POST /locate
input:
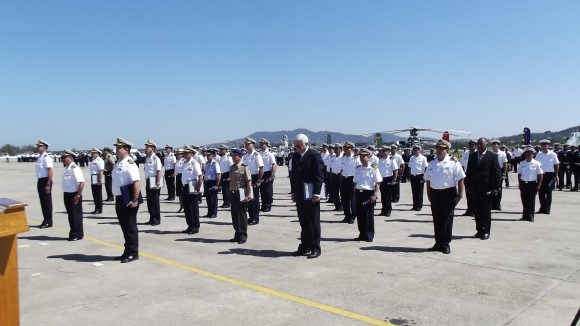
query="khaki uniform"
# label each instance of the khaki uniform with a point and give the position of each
(240, 175)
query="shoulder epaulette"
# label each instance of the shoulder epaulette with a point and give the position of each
(453, 158)
(374, 165)
(72, 166)
(256, 153)
(244, 164)
(131, 161)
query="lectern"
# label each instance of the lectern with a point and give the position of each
(12, 222)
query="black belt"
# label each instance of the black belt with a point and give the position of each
(529, 181)
(441, 190)
(416, 175)
(364, 190)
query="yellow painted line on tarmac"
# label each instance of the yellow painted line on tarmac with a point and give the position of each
(247, 285)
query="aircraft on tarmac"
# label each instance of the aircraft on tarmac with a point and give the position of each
(414, 138)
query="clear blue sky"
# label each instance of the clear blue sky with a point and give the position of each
(81, 73)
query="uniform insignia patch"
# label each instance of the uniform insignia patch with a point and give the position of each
(131, 161)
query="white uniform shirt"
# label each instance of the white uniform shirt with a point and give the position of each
(348, 164)
(254, 161)
(548, 160)
(365, 178)
(191, 171)
(71, 177)
(152, 166)
(464, 159)
(399, 159)
(43, 163)
(374, 159)
(501, 158)
(212, 169)
(225, 162)
(268, 159)
(517, 152)
(124, 173)
(529, 171)
(200, 159)
(335, 163)
(169, 161)
(325, 157)
(444, 174)
(179, 166)
(387, 165)
(97, 165)
(417, 164)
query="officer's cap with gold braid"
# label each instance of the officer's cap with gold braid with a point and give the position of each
(41, 142)
(348, 145)
(545, 141)
(249, 140)
(122, 142)
(529, 149)
(394, 146)
(66, 152)
(443, 144)
(264, 141)
(150, 143)
(96, 150)
(223, 146)
(195, 147)
(386, 148)
(168, 146)
(187, 149)
(364, 151)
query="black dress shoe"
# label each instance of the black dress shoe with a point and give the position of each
(74, 239)
(234, 239)
(119, 257)
(226, 206)
(129, 259)
(485, 236)
(478, 235)
(351, 221)
(206, 215)
(153, 223)
(242, 240)
(193, 231)
(314, 254)
(466, 214)
(179, 210)
(434, 248)
(44, 226)
(301, 253)
(523, 219)
(267, 209)
(531, 219)
(446, 250)
(359, 239)
(388, 214)
(253, 222)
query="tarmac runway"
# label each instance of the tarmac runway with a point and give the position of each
(525, 274)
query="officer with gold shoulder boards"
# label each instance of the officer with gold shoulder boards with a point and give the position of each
(212, 178)
(444, 177)
(192, 180)
(397, 182)
(44, 164)
(96, 168)
(73, 184)
(550, 166)
(254, 161)
(178, 171)
(267, 185)
(153, 181)
(416, 166)
(225, 161)
(169, 165)
(367, 179)
(241, 193)
(389, 169)
(126, 183)
(348, 164)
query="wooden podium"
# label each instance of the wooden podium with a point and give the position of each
(12, 222)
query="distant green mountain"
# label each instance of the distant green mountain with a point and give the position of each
(315, 137)
(554, 136)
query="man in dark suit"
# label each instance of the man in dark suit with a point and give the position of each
(482, 182)
(305, 186)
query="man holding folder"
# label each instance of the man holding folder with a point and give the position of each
(305, 187)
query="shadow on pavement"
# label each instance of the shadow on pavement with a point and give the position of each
(257, 253)
(83, 258)
(42, 238)
(394, 249)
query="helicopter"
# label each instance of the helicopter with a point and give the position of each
(573, 140)
(414, 138)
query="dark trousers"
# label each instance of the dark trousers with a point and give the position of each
(528, 196)
(211, 197)
(97, 191)
(153, 203)
(443, 210)
(545, 193)
(406, 173)
(109, 185)
(191, 209)
(482, 211)
(239, 211)
(335, 194)
(469, 200)
(346, 196)
(128, 220)
(569, 176)
(309, 218)
(576, 171)
(254, 204)
(386, 195)
(561, 174)
(226, 193)
(365, 214)
(178, 184)
(396, 193)
(496, 199)
(267, 191)
(417, 186)
(45, 200)
(170, 182)
(75, 215)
